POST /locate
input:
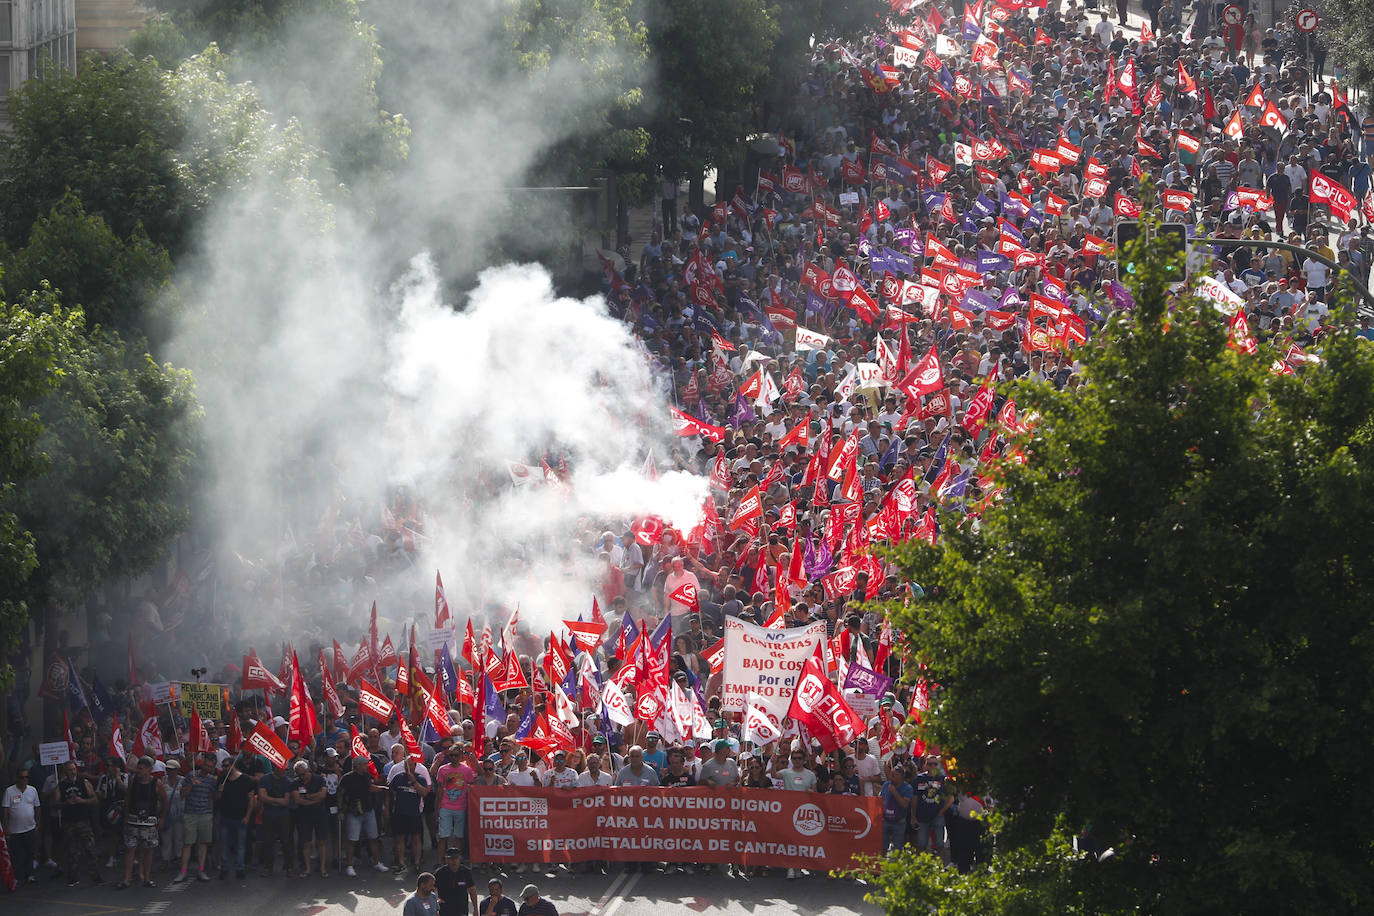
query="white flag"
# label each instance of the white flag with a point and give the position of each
(760, 727)
(810, 340)
(614, 705)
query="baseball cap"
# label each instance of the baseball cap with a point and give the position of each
(330, 752)
(278, 722)
(722, 745)
(529, 891)
(455, 853)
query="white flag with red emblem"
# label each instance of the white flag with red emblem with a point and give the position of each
(760, 728)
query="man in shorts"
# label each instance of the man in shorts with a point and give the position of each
(310, 816)
(360, 818)
(453, 779)
(198, 793)
(145, 810)
(409, 784)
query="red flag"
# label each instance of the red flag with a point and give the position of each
(469, 646)
(388, 656)
(117, 739)
(361, 662)
(512, 675)
(1334, 194)
(926, 376)
(262, 740)
(340, 664)
(1124, 206)
(437, 715)
(587, 635)
(371, 702)
(1209, 107)
(149, 739)
(67, 731)
(411, 745)
(331, 695)
(751, 507)
(820, 708)
(1186, 83)
(441, 611)
(358, 748)
(197, 738)
(1255, 99)
(304, 724)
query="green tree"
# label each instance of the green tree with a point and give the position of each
(35, 340)
(111, 134)
(117, 440)
(146, 150)
(710, 56)
(316, 62)
(1158, 641)
(117, 284)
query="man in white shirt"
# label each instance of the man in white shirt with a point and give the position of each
(20, 817)
(521, 774)
(868, 768)
(678, 576)
(595, 776)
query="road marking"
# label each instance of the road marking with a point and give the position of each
(157, 906)
(624, 892)
(92, 909)
(610, 892)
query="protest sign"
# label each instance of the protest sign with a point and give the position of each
(765, 662)
(206, 699)
(508, 824)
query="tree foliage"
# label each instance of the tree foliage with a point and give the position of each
(710, 56)
(35, 340)
(1159, 639)
(117, 438)
(109, 133)
(117, 284)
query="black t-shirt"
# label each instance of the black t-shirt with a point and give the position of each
(234, 795)
(355, 793)
(453, 885)
(277, 785)
(681, 781)
(311, 783)
(67, 790)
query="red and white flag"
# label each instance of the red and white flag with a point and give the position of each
(760, 728)
(262, 740)
(820, 708)
(372, 702)
(1334, 194)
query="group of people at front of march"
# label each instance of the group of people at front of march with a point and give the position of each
(211, 816)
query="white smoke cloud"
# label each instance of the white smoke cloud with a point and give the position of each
(326, 380)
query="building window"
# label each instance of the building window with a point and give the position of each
(6, 22)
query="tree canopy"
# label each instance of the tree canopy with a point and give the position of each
(1158, 640)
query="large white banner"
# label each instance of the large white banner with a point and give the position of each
(765, 663)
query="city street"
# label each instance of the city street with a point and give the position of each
(618, 894)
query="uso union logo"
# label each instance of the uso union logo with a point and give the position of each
(500, 844)
(808, 819)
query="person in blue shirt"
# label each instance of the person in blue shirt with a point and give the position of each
(896, 795)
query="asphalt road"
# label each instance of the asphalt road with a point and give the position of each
(616, 894)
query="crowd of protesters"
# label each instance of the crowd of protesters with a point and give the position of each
(950, 187)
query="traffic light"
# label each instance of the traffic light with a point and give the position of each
(1173, 235)
(1127, 230)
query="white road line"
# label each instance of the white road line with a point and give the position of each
(624, 892)
(610, 892)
